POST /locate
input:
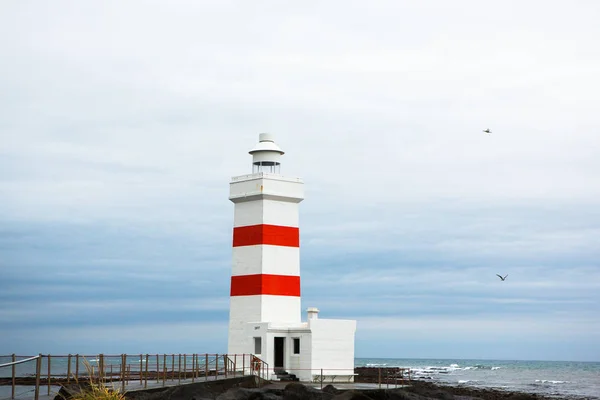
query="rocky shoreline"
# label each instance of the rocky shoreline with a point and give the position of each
(244, 390)
(419, 390)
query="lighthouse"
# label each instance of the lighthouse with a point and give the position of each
(265, 316)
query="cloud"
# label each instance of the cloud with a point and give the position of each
(120, 130)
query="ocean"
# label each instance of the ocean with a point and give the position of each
(565, 379)
(556, 378)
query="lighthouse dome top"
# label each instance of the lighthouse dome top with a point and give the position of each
(266, 155)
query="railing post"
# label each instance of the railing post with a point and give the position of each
(38, 373)
(76, 367)
(14, 377)
(146, 374)
(49, 372)
(122, 373)
(379, 379)
(172, 367)
(321, 379)
(216, 365)
(127, 371)
(141, 367)
(193, 366)
(179, 370)
(69, 369)
(225, 364)
(185, 366)
(243, 364)
(157, 369)
(206, 368)
(101, 368)
(234, 365)
(164, 369)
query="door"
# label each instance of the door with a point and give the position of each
(279, 352)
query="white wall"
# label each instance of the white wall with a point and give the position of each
(332, 345)
(249, 186)
(254, 310)
(266, 259)
(299, 364)
(281, 309)
(271, 212)
(242, 309)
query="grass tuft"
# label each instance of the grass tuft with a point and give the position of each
(96, 391)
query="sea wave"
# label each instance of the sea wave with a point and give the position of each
(550, 381)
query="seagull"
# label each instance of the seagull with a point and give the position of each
(488, 131)
(502, 277)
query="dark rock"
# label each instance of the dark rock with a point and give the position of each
(352, 395)
(249, 394)
(330, 389)
(298, 391)
(70, 390)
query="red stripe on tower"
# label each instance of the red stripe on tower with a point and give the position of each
(278, 285)
(276, 235)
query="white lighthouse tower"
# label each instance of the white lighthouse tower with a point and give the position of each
(265, 309)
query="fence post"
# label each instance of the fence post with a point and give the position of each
(141, 367)
(146, 374)
(14, 373)
(49, 372)
(216, 365)
(69, 370)
(206, 368)
(164, 369)
(234, 365)
(193, 366)
(243, 364)
(157, 369)
(321, 379)
(77, 368)
(38, 373)
(185, 366)
(225, 363)
(127, 371)
(379, 379)
(179, 370)
(122, 373)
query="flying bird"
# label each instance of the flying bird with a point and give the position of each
(502, 277)
(488, 131)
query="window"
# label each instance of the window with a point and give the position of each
(257, 345)
(296, 345)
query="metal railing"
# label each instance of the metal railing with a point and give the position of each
(123, 370)
(390, 377)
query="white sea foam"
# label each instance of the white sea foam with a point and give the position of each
(495, 368)
(550, 381)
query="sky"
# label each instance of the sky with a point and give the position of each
(122, 123)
